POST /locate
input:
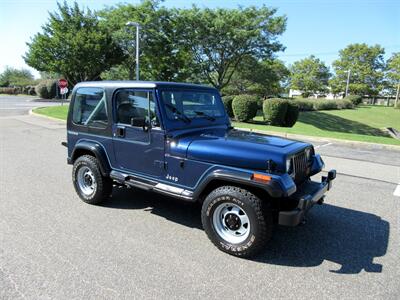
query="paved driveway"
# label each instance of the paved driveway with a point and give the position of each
(142, 245)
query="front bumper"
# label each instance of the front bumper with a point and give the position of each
(308, 194)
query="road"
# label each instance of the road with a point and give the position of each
(20, 105)
(142, 245)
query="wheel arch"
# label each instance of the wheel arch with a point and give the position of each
(94, 149)
(241, 179)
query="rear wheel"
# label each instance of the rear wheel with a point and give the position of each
(89, 184)
(236, 221)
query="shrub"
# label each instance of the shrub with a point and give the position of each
(8, 90)
(274, 111)
(244, 107)
(227, 100)
(355, 99)
(31, 91)
(305, 104)
(292, 114)
(325, 104)
(47, 89)
(344, 104)
(41, 90)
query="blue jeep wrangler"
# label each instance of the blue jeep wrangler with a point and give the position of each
(176, 139)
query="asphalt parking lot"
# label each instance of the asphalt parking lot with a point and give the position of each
(143, 245)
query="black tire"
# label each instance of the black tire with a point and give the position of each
(257, 212)
(103, 185)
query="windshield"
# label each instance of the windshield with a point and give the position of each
(189, 104)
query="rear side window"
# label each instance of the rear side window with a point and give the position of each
(90, 107)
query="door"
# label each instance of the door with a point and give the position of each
(137, 137)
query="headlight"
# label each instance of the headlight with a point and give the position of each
(289, 165)
(308, 153)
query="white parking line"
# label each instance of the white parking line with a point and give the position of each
(324, 145)
(397, 191)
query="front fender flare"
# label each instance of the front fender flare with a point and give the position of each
(278, 187)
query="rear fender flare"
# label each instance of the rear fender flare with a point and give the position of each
(96, 149)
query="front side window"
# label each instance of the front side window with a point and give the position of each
(135, 107)
(192, 104)
(90, 107)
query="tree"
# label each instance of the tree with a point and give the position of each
(263, 78)
(366, 66)
(309, 75)
(72, 43)
(15, 77)
(220, 39)
(161, 57)
(393, 74)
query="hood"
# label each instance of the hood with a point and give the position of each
(236, 148)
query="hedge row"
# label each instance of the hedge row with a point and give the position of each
(280, 112)
(323, 104)
(28, 90)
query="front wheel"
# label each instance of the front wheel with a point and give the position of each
(236, 222)
(89, 184)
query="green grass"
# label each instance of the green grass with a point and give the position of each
(364, 124)
(58, 112)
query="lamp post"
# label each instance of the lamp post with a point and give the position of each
(348, 81)
(137, 25)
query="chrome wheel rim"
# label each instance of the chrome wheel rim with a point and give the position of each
(86, 181)
(231, 223)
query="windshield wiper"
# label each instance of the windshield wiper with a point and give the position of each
(202, 113)
(178, 113)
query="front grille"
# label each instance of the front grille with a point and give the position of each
(301, 168)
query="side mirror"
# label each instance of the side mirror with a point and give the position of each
(138, 122)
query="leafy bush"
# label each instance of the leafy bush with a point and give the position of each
(9, 90)
(292, 114)
(227, 100)
(244, 107)
(41, 90)
(344, 104)
(47, 89)
(274, 111)
(305, 104)
(355, 99)
(325, 104)
(31, 91)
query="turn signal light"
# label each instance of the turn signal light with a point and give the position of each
(261, 177)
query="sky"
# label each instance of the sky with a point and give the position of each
(318, 27)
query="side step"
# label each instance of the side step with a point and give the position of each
(151, 185)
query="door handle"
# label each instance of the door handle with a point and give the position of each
(120, 132)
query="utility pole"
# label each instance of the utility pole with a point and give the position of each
(348, 81)
(137, 25)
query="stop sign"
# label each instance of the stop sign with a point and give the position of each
(62, 83)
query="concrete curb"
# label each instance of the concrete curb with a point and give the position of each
(325, 139)
(32, 113)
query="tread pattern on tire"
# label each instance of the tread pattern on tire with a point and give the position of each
(263, 215)
(104, 184)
